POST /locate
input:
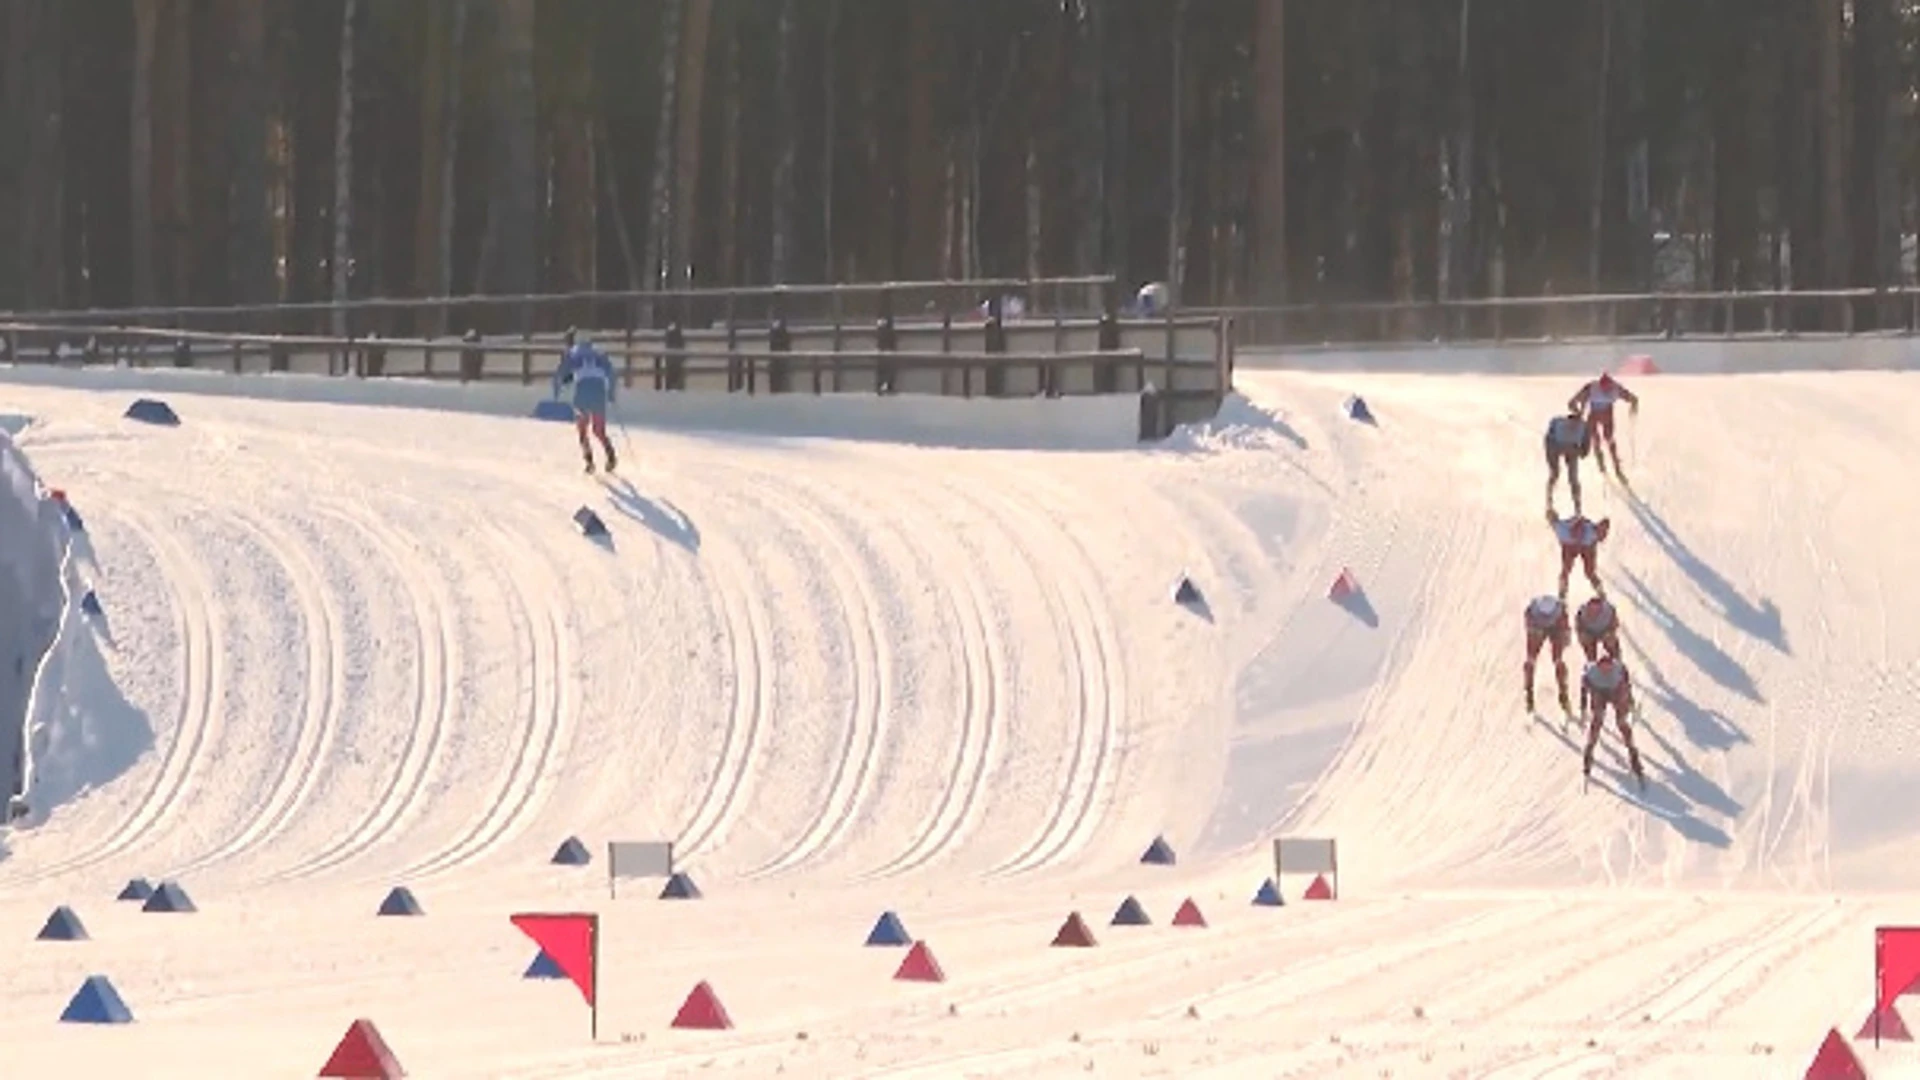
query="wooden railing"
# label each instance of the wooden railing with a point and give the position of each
(494, 316)
(1602, 317)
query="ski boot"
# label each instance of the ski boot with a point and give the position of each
(613, 460)
(1529, 699)
(589, 458)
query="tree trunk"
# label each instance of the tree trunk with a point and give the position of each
(1270, 151)
(923, 254)
(515, 266)
(1455, 270)
(1831, 133)
(1597, 193)
(450, 159)
(576, 195)
(687, 137)
(1876, 131)
(787, 144)
(1176, 149)
(730, 267)
(1088, 120)
(146, 42)
(342, 261)
(32, 240)
(250, 270)
(437, 72)
(830, 139)
(660, 200)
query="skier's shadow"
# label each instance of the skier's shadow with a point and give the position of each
(663, 518)
(1666, 799)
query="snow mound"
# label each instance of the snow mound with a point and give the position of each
(1241, 424)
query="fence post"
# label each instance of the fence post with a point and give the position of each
(779, 341)
(886, 370)
(676, 357)
(473, 357)
(1106, 373)
(996, 342)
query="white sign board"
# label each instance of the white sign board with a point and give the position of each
(638, 859)
(1305, 855)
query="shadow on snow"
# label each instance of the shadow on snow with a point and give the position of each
(1711, 659)
(1760, 620)
(1674, 788)
(663, 518)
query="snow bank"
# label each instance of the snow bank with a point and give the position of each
(1086, 422)
(36, 612)
(1671, 357)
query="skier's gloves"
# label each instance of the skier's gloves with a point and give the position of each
(1633, 407)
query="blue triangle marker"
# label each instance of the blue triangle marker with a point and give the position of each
(543, 967)
(589, 522)
(169, 897)
(888, 930)
(63, 925)
(680, 887)
(1158, 853)
(400, 901)
(90, 603)
(96, 1002)
(1269, 895)
(571, 852)
(74, 522)
(1130, 913)
(1357, 410)
(137, 889)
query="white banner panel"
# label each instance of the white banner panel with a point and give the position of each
(1305, 855)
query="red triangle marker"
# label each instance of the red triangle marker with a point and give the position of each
(1892, 1027)
(1344, 585)
(1074, 934)
(919, 965)
(1189, 914)
(1836, 1061)
(362, 1055)
(702, 1011)
(1319, 890)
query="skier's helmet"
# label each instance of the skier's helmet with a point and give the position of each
(1606, 380)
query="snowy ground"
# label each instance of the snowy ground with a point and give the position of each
(352, 647)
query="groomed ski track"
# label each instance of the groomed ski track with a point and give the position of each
(372, 649)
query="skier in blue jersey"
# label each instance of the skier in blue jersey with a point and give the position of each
(591, 373)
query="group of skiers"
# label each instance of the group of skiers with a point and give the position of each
(1604, 684)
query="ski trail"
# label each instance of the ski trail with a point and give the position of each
(744, 624)
(204, 657)
(853, 772)
(1079, 620)
(1675, 987)
(436, 659)
(983, 690)
(549, 717)
(321, 713)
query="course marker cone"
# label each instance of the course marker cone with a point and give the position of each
(362, 1055)
(702, 1011)
(1074, 934)
(919, 965)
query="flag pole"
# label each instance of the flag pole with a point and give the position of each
(593, 934)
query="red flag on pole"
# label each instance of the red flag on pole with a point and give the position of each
(573, 941)
(1896, 966)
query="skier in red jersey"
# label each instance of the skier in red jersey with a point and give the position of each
(1546, 619)
(1597, 625)
(1579, 542)
(1598, 398)
(1606, 685)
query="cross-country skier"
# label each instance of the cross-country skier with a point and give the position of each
(591, 373)
(1566, 442)
(1598, 398)
(1597, 625)
(1605, 685)
(1579, 541)
(1547, 622)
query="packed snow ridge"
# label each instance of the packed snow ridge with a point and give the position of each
(345, 647)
